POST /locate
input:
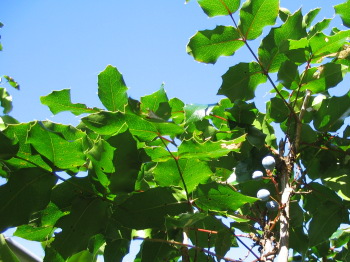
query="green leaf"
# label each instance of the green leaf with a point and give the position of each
(243, 113)
(83, 256)
(288, 73)
(193, 172)
(196, 112)
(270, 52)
(116, 250)
(218, 197)
(298, 240)
(101, 156)
(327, 213)
(61, 152)
(319, 27)
(255, 15)
(343, 10)
(42, 225)
(310, 16)
(332, 113)
(219, 7)
(208, 45)
(126, 161)
(5, 101)
(87, 218)
(27, 191)
(223, 242)
(147, 130)
(153, 105)
(209, 150)
(6, 253)
(149, 209)
(106, 123)
(27, 155)
(6, 120)
(162, 251)
(323, 45)
(319, 79)
(277, 110)
(8, 147)
(59, 101)
(241, 80)
(12, 82)
(112, 89)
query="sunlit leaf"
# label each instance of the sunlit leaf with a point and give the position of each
(269, 52)
(208, 45)
(6, 253)
(193, 172)
(61, 152)
(220, 197)
(344, 11)
(219, 7)
(255, 15)
(5, 100)
(323, 45)
(42, 225)
(112, 89)
(106, 123)
(60, 101)
(310, 16)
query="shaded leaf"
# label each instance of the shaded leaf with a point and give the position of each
(60, 101)
(87, 218)
(27, 191)
(126, 161)
(208, 45)
(319, 79)
(115, 250)
(8, 147)
(255, 15)
(6, 253)
(332, 113)
(112, 89)
(288, 73)
(277, 110)
(149, 209)
(241, 80)
(217, 7)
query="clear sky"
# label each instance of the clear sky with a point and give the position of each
(52, 45)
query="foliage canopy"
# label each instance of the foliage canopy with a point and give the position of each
(167, 172)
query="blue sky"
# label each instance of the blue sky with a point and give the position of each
(52, 45)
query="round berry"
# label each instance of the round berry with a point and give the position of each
(257, 175)
(263, 194)
(272, 205)
(269, 162)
